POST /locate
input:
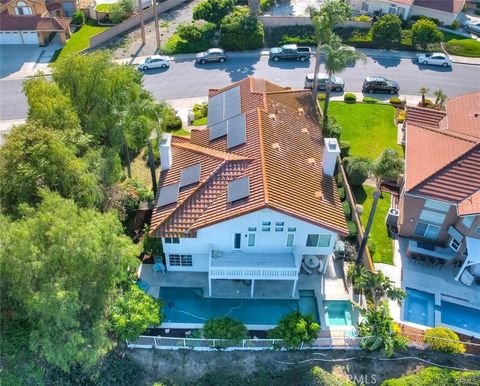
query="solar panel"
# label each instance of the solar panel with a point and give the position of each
(231, 102)
(223, 106)
(215, 109)
(168, 194)
(218, 130)
(190, 175)
(236, 132)
(238, 189)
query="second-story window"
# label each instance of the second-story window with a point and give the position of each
(172, 240)
(251, 239)
(316, 240)
(290, 238)
(22, 9)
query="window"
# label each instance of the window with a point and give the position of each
(237, 240)
(437, 205)
(252, 229)
(251, 239)
(172, 240)
(22, 9)
(400, 12)
(435, 217)
(392, 9)
(318, 240)
(180, 260)
(266, 223)
(279, 229)
(455, 244)
(279, 223)
(477, 230)
(290, 238)
(292, 229)
(468, 221)
(265, 229)
(364, 6)
(425, 230)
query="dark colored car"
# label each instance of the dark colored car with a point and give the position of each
(290, 51)
(380, 84)
(211, 55)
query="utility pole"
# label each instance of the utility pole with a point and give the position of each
(157, 30)
(142, 24)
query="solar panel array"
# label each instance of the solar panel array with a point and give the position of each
(223, 106)
(218, 130)
(190, 175)
(238, 189)
(168, 194)
(236, 131)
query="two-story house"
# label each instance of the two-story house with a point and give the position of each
(440, 202)
(252, 195)
(35, 21)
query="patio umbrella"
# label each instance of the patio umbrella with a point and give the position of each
(475, 270)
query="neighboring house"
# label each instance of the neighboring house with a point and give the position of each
(253, 194)
(35, 21)
(440, 201)
(446, 11)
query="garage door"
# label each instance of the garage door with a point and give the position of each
(12, 37)
(30, 37)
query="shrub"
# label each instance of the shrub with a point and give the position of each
(421, 17)
(302, 35)
(443, 339)
(428, 102)
(266, 4)
(401, 116)
(212, 11)
(341, 193)
(456, 24)
(362, 18)
(371, 247)
(332, 128)
(224, 328)
(387, 29)
(347, 210)
(121, 10)
(370, 100)
(349, 97)
(241, 31)
(200, 110)
(344, 148)
(436, 376)
(295, 329)
(192, 37)
(352, 230)
(170, 120)
(425, 32)
(79, 18)
(395, 101)
(357, 169)
(321, 97)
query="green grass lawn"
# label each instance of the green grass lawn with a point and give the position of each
(461, 45)
(104, 7)
(80, 39)
(369, 128)
(379, 233)
(200, 122)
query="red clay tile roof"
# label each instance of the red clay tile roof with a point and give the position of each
(463, 114)
(470, 205)
(452, 6)
(33, 23)
(283, 135)
(424, 117)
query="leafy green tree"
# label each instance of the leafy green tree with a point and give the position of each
(133, 312)
(212, 10)
(224, 328)
(387, 29)
(295, 329)
(357, 169)
(324, 20)
(443, 339)
(241, 31)
(61, 268)
(425, 32)
(436, 376)
(34, 157)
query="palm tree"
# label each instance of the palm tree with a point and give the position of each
(423, 91)
(440, 99)
(324, 19)
(337, 58)
(388, 165)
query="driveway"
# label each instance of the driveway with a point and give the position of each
(15, 58)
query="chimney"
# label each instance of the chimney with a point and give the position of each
(165, 148)
(330, 154)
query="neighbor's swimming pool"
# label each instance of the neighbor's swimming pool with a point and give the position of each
(420, 307)
(459, 316)
(188, 305)
(338, 313)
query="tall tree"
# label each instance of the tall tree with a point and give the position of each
(425, 32)
(337, 58)
(324, 19)
(61, 268)
(423, 91)
(387, 30)
(388, 165)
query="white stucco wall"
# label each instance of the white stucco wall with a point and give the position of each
(377, 5)
(221, 236)
(446, 18)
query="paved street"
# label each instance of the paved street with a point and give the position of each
(185, 79)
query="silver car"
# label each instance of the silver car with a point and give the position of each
(211, 55)
(338, 84)
(472, 26)
(154, 61)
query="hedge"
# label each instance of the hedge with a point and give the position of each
(241, 31)
(192, 37)
(297, 34)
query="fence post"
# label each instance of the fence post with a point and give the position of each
(184, 342)
(243, 343)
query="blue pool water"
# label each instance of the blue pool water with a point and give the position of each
(420, 307)
(187, 305)
(461, 317)
(338, 313)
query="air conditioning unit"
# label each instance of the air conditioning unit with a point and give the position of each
(392, 216)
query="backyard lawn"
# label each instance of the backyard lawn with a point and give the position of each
(80, 39)
(379, 234)
(461, 45)
(369, 128)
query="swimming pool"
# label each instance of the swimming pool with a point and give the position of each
(420, 307)
(188, 305)
(338, 313)
(461, 317)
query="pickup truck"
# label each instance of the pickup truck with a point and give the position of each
(290, 51)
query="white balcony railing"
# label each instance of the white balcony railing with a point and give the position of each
(260, 273)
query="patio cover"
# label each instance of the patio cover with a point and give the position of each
(473, 247)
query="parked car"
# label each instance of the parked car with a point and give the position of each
(155, 61)
(338, 84)
(380, 84)
(211, 55)
(290, 51)
(472, 26)
(435, 58)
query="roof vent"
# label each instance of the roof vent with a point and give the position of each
(272, 116)
(301, 111)
(305, 130)
(311, 161)
(476, 115)
(276, 146)
(319, 194)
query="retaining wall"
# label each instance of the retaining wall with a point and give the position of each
(284, 21)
